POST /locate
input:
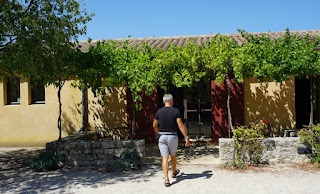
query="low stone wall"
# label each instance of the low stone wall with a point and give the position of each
(94, 153)
(279, 150)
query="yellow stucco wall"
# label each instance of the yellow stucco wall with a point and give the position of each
(113, 114)
(270, 101)
(35, 124)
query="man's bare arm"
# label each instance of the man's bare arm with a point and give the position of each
(155, 126)
(183, 131)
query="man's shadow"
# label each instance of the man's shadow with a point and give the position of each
(207, 174)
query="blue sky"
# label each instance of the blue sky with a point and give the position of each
(141, 18)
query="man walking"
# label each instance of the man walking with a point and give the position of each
(166, 124)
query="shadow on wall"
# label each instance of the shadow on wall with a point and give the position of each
(113, 114)
(270, 101)
(144, 117)
(68, 125)
(71, 121)
(219, 107)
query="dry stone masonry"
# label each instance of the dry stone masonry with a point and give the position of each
(279, 150)
(94, 152)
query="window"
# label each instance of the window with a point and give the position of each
(13, 92)
(37, 93)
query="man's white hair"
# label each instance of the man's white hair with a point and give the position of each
(167, 98)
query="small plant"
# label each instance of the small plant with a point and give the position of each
(248, 147)
(45, 161)
(128, 161)
(311, 136)
(261, 126)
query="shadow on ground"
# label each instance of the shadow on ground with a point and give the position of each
(17, 177)
(183, 176)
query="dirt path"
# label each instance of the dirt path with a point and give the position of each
(16, 177)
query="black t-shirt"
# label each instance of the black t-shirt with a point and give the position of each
(167, 117)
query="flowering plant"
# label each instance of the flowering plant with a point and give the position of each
(262, 126)
(248, 146)
(311, 135)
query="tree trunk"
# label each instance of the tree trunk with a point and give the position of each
(315, 98)
(83, 93)
(83, 112)
(312, 82)
(59, 118)
(228, 107)
(133, 120)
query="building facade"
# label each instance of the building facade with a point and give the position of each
(28, 116)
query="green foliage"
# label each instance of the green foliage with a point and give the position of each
(218, 55)
(181, 66)
(140, 68)
(45, 161)
(266, 58)
(248, 147)
(38, 41)
(94, 68)
(311, 136)
(128, 161)
(37, 38)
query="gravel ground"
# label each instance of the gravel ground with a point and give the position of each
(16, 177)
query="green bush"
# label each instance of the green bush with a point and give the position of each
(248, 147)
(311, 136)
(128, 161)
(45, 161)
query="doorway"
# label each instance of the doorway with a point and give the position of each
(198, 110)
(302, 102)
(195, 106)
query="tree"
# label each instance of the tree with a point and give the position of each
(218, 55)
(142, 69)
(180, 66)
(38, 38)
(266, 58)
(137, 70)
(92, 71)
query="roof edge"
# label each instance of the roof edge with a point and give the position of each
(199, 36)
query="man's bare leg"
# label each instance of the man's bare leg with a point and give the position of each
(174, 162)
(165, 166)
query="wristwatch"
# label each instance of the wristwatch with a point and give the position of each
(187, 137)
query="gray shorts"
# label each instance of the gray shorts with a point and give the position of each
(168, 144)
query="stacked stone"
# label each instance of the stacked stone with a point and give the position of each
(226, 150)
(95, 153)
(278, 150)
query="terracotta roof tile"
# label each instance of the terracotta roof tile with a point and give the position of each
(164, 42)
(156, 43)
(168, 43)
(152, 42)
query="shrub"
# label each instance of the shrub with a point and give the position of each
(311, 136)
(248, 147)
(128, 161)
(45, 161)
